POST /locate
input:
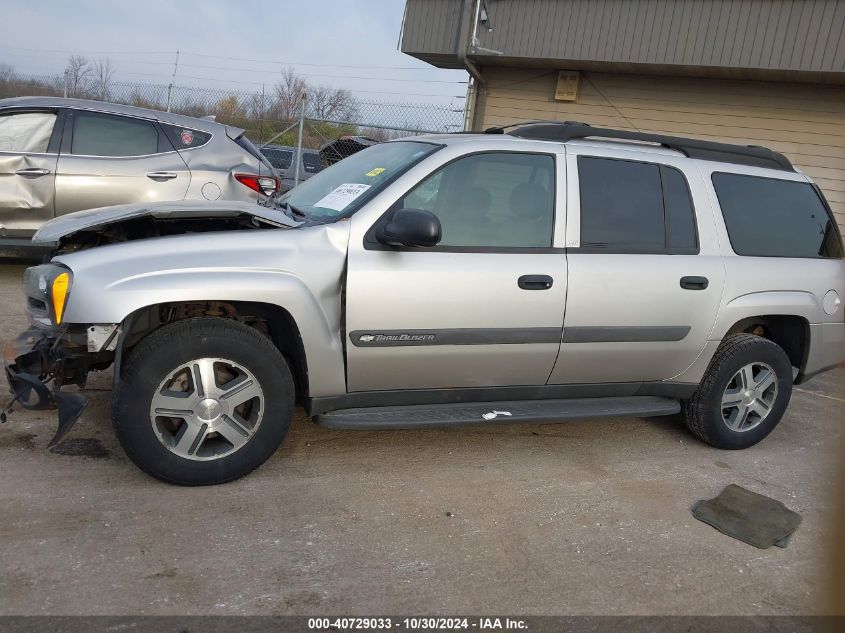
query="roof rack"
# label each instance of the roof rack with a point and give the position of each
(752, 155)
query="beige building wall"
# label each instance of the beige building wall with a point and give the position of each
(804, 121)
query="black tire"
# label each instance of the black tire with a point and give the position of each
(173, 345)
(703, 412)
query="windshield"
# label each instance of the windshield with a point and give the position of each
(345, 187)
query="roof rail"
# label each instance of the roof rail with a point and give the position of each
(752, 155)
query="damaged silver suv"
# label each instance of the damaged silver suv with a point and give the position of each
(538, 272)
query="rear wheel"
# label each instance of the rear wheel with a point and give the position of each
(743, 394)
(203, 401)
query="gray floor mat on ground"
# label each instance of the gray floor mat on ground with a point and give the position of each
(749, 517)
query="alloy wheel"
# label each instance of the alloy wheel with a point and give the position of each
(207, 408)
(749, 397)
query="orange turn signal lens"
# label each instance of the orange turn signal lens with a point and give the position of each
(59, 293)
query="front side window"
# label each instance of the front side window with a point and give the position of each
(26, 131)
(767, 217)
(635, 207)
(97, 134)
(497, 200)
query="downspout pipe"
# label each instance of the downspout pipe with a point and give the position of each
(469, 24)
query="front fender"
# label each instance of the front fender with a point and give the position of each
(300, 270)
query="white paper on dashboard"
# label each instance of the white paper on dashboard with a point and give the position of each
(340, 198)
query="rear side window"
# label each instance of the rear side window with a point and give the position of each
(766, 217)
(279, 158)
(629, 206)
(111, 135)
(312, 162)
(26, 131)
(185, 138)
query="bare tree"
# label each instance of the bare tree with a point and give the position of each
(103, 76)
(327, 103)
(254, 105)
(7, 73)
(79, 73)
(287, 96)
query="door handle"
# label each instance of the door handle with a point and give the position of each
(535, 282)
(694, 283)
(32, 172)
(161, 175)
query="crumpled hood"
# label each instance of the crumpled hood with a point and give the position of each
(93, 219)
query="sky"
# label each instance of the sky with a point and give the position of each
(229, 44)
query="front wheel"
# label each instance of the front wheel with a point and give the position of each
(743, 395)
(202, 401)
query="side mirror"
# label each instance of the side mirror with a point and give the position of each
(411, 227)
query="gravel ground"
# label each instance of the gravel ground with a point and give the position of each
(586, 517)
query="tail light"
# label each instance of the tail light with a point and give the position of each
(268, 185)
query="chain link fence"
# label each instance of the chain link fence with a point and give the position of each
(269, 115)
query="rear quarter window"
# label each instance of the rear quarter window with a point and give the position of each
(767, 217)
(185, 138)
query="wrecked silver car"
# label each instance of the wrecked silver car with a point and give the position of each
(60, 155)
(525, 274)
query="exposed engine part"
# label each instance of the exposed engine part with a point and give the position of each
(148, 227)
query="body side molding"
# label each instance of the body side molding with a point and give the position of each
(456, 336)
(517, 336)
(624, 334)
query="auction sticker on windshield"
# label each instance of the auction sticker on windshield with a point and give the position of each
(342, 196)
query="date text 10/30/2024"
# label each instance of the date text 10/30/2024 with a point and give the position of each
(416, 624)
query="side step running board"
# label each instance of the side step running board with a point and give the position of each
(507, 412)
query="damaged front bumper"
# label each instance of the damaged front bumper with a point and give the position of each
(38, 363)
